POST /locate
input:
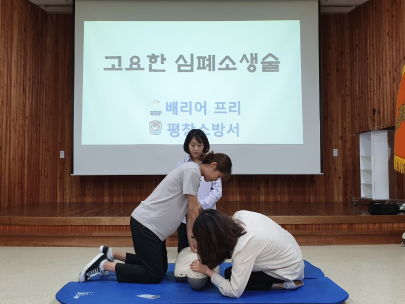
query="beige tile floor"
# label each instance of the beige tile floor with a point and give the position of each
(370, 274)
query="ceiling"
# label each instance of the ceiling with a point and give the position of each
(327, 6)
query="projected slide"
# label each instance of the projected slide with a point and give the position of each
(150, 82)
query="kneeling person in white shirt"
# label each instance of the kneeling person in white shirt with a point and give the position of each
(264, 255)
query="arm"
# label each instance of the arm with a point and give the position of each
(214, 195)
(240, 275)
(191, 216)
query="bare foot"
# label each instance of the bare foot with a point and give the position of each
(298, 283)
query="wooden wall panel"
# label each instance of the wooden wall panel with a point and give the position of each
(377, 56)
(334, 79)
(23, 30)
(362, 54)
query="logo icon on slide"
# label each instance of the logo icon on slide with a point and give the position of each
(156, 105)
(155, 127)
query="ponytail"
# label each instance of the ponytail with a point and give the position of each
(224, 163)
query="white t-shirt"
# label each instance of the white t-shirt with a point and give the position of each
(164, 209)
(266, 247)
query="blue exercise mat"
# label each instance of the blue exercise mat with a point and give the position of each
(317, 289)
(310, 271)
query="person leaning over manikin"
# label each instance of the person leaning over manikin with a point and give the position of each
(264, 255)
(156, 218)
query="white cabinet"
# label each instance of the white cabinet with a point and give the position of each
(375, 156)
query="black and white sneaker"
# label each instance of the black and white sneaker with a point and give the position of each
(92, 269)
(107, 251)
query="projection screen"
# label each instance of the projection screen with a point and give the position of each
(245, 72)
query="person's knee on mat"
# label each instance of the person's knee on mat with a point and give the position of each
(154, 279)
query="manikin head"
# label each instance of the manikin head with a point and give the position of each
(183, 273)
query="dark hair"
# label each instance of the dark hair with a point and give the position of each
(200, 137)
(216, 235)
(224, 163)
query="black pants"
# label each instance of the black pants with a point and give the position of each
(182, 237)
(149, 263)
(257, 280)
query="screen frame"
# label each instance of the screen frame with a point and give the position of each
(177, 149)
